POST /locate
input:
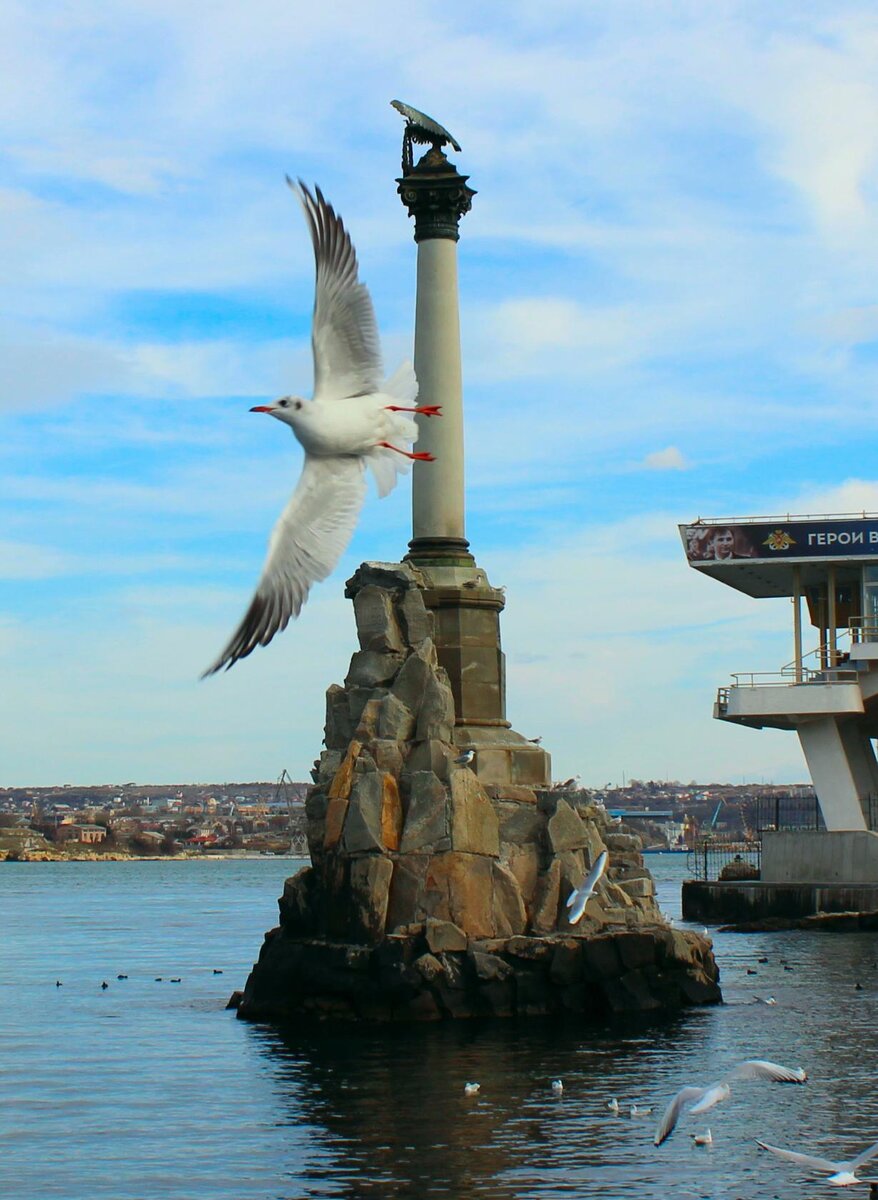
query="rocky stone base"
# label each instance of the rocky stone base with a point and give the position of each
(433, 893)
(434, 973)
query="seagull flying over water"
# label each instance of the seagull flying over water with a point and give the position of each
(578, 898)
(842, 1174)
(699, 1100)
(354, 420)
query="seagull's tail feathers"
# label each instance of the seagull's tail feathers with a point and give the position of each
(387, 465)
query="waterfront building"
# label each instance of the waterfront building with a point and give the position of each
(827, 693)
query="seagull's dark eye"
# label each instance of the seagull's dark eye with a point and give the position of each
(298, 405)
(284, 403)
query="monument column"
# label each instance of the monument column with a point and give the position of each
(466, 608)
(437, 196)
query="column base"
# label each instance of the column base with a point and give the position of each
(440, 552)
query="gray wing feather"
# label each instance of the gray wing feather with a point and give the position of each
(309, 538)
(864, 1157)
(685, 1096)
(760, 1068)
(344, 332)
(803, 1160)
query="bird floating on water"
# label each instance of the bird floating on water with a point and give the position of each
(471, 1089)
(700, 1099)
(636, 1111)
(557, 1087)
(703, 1139)
(353, 420)
(769, 1000)
(613, 1106)
(580, 896)
(841, 1174)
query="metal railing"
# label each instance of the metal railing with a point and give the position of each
(863, 629)
(710, 857)
(782, 678)
(787, 810)
(783, 517)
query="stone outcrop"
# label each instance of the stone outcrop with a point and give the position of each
(430, 895)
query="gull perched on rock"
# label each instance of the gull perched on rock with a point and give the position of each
(578, 898)
(353, 420)
(700, 1099)
(841, 1174)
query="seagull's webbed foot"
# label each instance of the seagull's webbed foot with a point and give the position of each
(416, 456)
(426, 410)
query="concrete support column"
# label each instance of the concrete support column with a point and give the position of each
(839, 771)
(438, 487)
(797, 620)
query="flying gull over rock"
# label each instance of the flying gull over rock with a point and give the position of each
(353, 420)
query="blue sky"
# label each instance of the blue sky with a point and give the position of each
(668, 307)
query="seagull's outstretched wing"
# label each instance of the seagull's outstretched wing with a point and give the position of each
(306, 543)
(760, 1068)
(579, 898)
(864, 1157)
(669, 1118)
(803, 1160)
(344, 333)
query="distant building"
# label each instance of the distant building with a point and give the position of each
(89, 835)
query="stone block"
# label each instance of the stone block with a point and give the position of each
(410, 684)
(363, 711)
(395, 721)
(489, 967)
(328, 764)
(444, 935)
(565, 829)
(573, 872)
(532, 949)
(524, 863)
(533, 997)
(336, 812)
(372, 668)
(431, 755)
(544, 917)
(436, 714)
(391, 813)
(623, 843)
(388, 756)
(519, 823)
(636, 950)
(427, 826)
(640, 888)
(511, 792)
(339, 727)
(344, 776)
(510, 916)
(630, 994)
(405, 906)
(458, 887)
(377, 627)
(567, 967)
(474, 825)
(297, 911)
(362, 827)
(415, 619)
(370, 888)
(429, 966)
(600, 959)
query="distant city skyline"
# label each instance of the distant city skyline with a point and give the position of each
(668, 308)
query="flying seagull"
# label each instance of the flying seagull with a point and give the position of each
(353, 420)
(578, 898)
(423, 129)
(699, 1100)
(842, 1174)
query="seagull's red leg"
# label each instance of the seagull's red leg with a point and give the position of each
(426, 410)
(418, 455)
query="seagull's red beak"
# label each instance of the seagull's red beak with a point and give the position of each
(261, 408)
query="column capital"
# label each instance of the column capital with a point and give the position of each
(436, 195)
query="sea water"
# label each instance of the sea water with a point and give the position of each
(149, 1089)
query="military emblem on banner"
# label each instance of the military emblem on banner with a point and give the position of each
(779, 540)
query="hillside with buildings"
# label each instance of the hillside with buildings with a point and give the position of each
(132, 820)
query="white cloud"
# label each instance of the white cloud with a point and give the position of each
(669, 459)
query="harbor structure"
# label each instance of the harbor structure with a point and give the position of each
(826, 693)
